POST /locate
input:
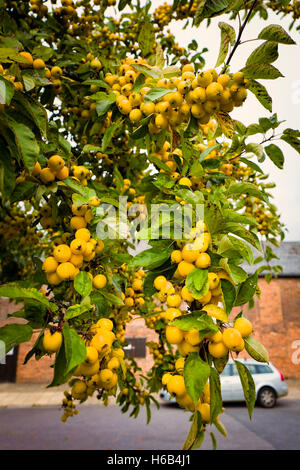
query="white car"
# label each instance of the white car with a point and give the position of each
(269, 383)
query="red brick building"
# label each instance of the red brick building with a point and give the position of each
(275, 317)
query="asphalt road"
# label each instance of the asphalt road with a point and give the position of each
(97, 427)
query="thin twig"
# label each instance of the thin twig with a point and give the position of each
(238, 41)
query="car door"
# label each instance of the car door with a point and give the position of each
(226, 386)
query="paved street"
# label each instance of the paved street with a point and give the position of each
(97, 427)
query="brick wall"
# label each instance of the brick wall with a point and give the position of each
(275, 318)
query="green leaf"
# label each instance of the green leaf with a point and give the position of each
(146, 37)
(7, 174)
(214, 440)
(83, 284)
(221, 428)
(196, 321)
(256, 350)
(75, 349)
(215, 394)
(103, 102)
(36, 111)
(291, 137)
(257, 149)
(196, 373)
(6, 91)
(214, 218)
(264, 71)
(138, 83)
(248, 386)
(153, 72)
(14, 291)
(243, 248)
(112, 298)
(275, 32)
(265, 53)
(227, 37)
(199, 439)
(275, 154)
(261, 94)
(151, 259)
(192, 432)
(229, 295)
(247, 290)
(207, 151)
(220, 363)
(157, 93)
(14, 334)
(109, 133)
(60, 366)
(26, 142)
(247, 188)
(76, 310)
(197, 282)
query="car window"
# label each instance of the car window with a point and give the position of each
(250, 367)
(227, 371)
(264, 369)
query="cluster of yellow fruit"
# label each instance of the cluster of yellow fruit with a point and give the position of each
(68, 259)
(38, 7)
(176, 387)
(153, 319)
(81, 174)
(56, 169)
(16, 224)
(186, 341)
(134, 296)
(200, 96)
(164, 14)
(157, 352)
(231, 339)
(264, 218)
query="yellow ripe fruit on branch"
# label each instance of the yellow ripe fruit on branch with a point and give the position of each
(66, 271)
(184, 348)
(217, 350)
(102, 338)
(174, 300)
(108, 325)
(50, 264)
(184, 268)
(62, 253)
(160, 282)
(88, 370)
(47, 176)
(55, 163)
(231, 338)
(91, 355)
(113, 363)
(189, 253)
(244, 326)
(192, 337)
(203, 261)
(62, 174)
(165, 378)
(213, 281)
(52, 342)
(174, 335)
(176, 385)
(78, 390)
(28, 58)
(77, 223)
(204, 409)
(186, 295)
(99, 281)
(83, 234)
(38, 64)
(78, 246)
(53, 279)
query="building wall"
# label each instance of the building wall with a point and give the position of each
(275, 318)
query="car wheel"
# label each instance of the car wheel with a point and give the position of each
(267, 397)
